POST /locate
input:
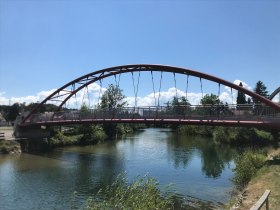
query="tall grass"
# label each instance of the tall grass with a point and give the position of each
(142, 193)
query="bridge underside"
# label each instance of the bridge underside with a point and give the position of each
(208, 122)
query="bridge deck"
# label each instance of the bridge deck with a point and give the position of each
(198, 115)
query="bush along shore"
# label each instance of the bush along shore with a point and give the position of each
(79, 135)
(233, 135)
(9, 147)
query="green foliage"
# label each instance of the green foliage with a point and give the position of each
(241, 99)
(92, 134)
(247, 165)
(263, 135)
(221, 135)
(195, 130)
(7, 147)
(112, 98)
(179, 106)
(260, 89)
(142, 193)
(241, 136)
(60, 139)
(42, 109)
(13, 112)
(210, 99)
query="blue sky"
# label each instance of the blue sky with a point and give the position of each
(45, 44)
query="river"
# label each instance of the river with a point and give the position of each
(199, 170)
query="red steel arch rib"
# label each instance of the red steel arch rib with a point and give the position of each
(64, 93)
(275, 92)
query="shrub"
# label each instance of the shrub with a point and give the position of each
(5, 149)
(263, 135)
(92, 134)
(220, 135)
(195, 130)
(247, 165)
(60, 139)
(142, 193)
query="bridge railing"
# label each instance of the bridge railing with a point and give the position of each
(199, 112)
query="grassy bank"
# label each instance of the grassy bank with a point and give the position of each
(89, 134)
(232, 135)
(267, 177)
(9, 147)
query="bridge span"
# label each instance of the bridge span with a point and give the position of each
(264, 114)
(212, 115)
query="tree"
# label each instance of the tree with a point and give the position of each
(112, 98)
(210, 99)
(260, 89)
(180, 105)
(206, 101)
(13, 112)
(241, 98)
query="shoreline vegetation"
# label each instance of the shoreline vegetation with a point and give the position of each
(259, 172)
(236, 136)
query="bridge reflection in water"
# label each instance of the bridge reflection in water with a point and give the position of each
(216, 115)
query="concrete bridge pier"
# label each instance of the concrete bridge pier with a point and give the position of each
(31, 132)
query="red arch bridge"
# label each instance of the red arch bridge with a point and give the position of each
(263, 114)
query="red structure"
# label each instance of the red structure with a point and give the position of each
(63, 94)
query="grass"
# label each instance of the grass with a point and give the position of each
(267, 177)
(141, 194)
(7, 147)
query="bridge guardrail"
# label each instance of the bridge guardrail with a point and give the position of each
(197, 112)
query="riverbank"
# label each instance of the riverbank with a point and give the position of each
(9, 145)
(268, 177)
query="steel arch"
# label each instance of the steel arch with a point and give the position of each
(69, 89)
(275, 92)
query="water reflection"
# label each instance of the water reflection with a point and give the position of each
(214, 158)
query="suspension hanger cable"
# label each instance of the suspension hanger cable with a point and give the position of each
(153, 87)
(100, 90)
(88, 98)
(117, 81)
(83, 95)
(159, 90)
(136, 95)
(76, 101)
(231, 96)
(201, 87)
(187, 87)
(175, 86)
(134, 89)
(219, 91)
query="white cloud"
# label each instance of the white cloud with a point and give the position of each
(90, 93)
(165, 96)
(93, 93)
